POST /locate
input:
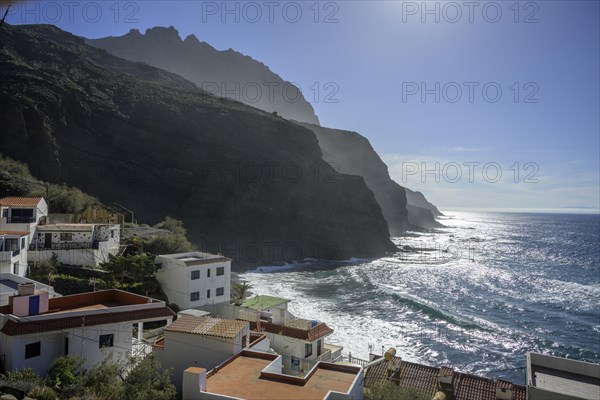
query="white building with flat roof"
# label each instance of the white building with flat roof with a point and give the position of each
(556, 378)
(75, 244)
(35, 329)
(194, 279)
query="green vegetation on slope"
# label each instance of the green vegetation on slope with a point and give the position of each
(16, 180)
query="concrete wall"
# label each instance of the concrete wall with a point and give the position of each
(83, 257)
(173, 277)
(83, 343)
(184, 350)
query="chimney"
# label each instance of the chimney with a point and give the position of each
(194, 382)
(27, 302)
(26, 289)
(504, 390)
(445, 380)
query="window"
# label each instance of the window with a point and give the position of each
(208, 294)
(208, 273)
(106, 340)
(195, 274)
(220, 291)
(308, 350)
(22, 243)
(220, 271)
(194, 296)
(33, 350)
(66, 237)
(112, 234)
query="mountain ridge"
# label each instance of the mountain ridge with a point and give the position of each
(137, 135)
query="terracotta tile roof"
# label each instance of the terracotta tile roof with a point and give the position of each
(471, 387)
(519, 392)
(24, 326)
(425, 380)
(410, 375)
(309, 335)
(225, 328)
(20, 201)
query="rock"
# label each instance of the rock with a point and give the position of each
(245, 183)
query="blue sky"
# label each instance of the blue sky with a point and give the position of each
(381, 56)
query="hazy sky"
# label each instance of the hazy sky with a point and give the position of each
(450, 94)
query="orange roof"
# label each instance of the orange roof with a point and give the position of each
(225, 328)
(242, 377)
(20, 201)
(14, 233)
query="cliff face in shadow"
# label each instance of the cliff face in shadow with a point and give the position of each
(351, 153)
(223, 73)
(246, 183)
(202, 64)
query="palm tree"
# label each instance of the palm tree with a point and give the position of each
(240, 291)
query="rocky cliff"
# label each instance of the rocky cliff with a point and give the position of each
(202, 64)
(351, 153)
(246, 183)
(223, 73)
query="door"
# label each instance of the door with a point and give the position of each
(66, 353)
(34, 305)
(48, 241)
(318, 347)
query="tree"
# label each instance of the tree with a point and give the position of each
(240, 290)
(45, 270)
(131, 268)
(64, 371)
(173, 225)
(169, 243)
(148, 381)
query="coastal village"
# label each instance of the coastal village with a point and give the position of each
(217, 340)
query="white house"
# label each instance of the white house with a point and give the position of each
(19, 217)
(254, 375)
(75, 244)
(36, 329)
(195, 279)
(13, 252)
(300, 341)
(199, 341)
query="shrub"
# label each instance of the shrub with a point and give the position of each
(42, 393)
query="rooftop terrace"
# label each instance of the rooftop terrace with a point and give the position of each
(243, 377)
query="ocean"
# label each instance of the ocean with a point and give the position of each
(475, 296)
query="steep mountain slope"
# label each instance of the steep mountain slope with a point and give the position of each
(204, 65)
(242, 180)
(223, 73)
(351, 153)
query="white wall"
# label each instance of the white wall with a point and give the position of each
(176, 281)
(83, 257)
(184, 350)
(83, 343)
(13, 347)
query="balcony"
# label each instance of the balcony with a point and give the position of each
(66, 246)
(334, 350)
(20, 220)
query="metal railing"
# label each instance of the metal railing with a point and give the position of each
(20, 220)
(66, 246)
